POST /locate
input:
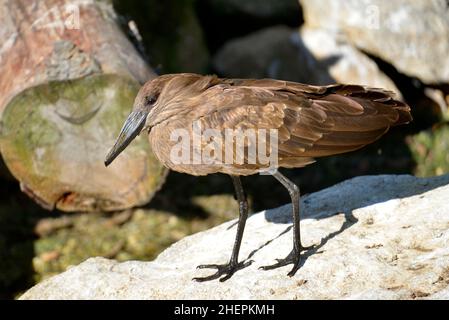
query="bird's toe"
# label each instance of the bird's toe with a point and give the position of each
(225, 270)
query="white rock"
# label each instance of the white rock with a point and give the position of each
(344, 62)
(376, 237)
(411, 35)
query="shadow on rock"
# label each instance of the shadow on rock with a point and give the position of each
(348, 196)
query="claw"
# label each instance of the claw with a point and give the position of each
(222, 269)
(278, 264)
(294, 269)
(209, 266)
(292, 258)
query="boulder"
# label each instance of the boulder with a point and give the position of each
(374, 237)
(313, 56)
(411, 35)
(343, 62)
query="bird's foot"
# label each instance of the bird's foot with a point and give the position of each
(222, 269)
(294, 257)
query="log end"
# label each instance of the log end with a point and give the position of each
(54, 137)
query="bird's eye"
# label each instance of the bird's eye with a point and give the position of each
(150, 99)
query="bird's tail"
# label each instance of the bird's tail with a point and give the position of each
(378, 98)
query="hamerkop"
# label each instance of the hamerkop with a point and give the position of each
(310, 122)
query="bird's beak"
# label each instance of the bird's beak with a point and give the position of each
(131, 129)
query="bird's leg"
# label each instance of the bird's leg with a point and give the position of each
(294, 255)
(228, 269)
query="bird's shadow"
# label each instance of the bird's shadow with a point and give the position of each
(346, 197)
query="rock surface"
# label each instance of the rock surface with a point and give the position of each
(271, 52)
(343, 62)
(313, 56)
(374, 237)
(411, 35)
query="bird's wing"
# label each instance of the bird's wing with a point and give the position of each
(311, 121)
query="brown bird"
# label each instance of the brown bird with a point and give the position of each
(310, 122)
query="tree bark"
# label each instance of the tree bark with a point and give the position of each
(68, 78)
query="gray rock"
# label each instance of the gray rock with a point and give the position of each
(273, 52)
(411, 35)
(375, 237)
(345, 63)
(313, 56)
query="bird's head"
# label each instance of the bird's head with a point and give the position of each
(145, 101)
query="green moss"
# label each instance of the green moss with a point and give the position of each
(30, 119)
(142, 237)
(89, 237)
(220, 207)
(430, 151)
(52, 129)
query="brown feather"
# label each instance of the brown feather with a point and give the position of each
(312, 121)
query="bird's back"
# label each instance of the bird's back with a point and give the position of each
(310, 121)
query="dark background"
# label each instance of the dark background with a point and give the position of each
(187, 36)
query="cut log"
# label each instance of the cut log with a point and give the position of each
(68, 78)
